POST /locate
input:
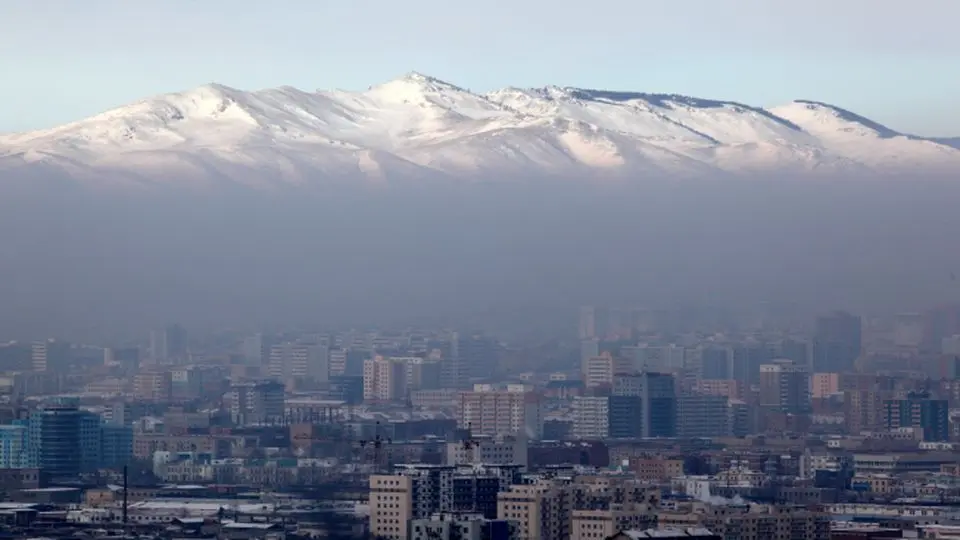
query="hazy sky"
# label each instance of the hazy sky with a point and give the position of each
(892, 60)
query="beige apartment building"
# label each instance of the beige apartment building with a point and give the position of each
(391, 506)
(501, 412)
(384, 379)
(541, 511)
(602, 524)
(750, 521)
(589, 508)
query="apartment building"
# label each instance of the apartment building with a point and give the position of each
(153, 385)
(702, 416)
(541, 511)
(417, 492)
(750, 521)
(291, 361)
(489, 411)
(586, 507)
(461, 527)
(602, 524)
(391, 506)
(591, 417)
(384, 379)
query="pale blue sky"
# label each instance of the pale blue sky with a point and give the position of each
(895, 61)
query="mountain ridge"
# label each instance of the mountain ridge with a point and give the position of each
(421, 126)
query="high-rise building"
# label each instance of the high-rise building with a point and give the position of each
(50, 355)
(185, 383)
(800, 351)
(353, 363)
(589, 348)
(919, 410)
(659, 405)
(542, 511)
(727, 388)
(385, 379)
(652, 411)
(256, 402)
(625, 416)
(598, 322)
(480, 355)
(128, 358)
(703, 416)
(116, 446)
(14, 450)
(347, 388)
(256, 348)
(864, 409)
(417, 492)
(513, 411)
(837, 343)
(588, 323)
(715, 364)
(743, 418)
(824, 385)
(155, 384)
(292, 361)
(591, 417)
(63, 440)
(338, 362)
(599, 370)
(422, 374)
(391, 506)
(16, 356)
(785, 387)
(746, 359)
(455, 373)
(596, 523)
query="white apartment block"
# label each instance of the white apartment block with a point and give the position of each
(384, 379)
(591, 417)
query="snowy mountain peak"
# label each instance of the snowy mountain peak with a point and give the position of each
(418, 126)
(415, 85)
(416, 76)
(821, 116)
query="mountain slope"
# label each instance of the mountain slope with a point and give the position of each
(418, 127)
(953, 142)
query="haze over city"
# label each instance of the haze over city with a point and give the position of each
(433, 196)
(422, 270)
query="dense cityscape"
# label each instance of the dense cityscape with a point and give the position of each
(644, 423)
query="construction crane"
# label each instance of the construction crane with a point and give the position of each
(470, 444)
(375, 445)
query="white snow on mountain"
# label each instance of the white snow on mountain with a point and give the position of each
(421, 127)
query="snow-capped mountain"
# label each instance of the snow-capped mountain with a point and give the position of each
(418, 127)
